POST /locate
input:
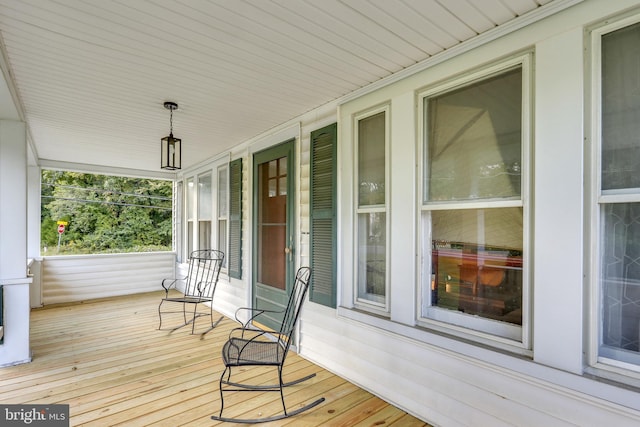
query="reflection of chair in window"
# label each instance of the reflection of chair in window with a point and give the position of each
(490, 283)
(248, 346)
(199, 287)
(480, 277)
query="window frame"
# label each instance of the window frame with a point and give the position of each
(193, 196)
(383, 308)
(193, 200)
(498, 334)
(599, 199)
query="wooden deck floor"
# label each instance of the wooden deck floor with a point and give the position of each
(107, 360)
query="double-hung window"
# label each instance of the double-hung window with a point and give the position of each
(199, 212)
(213, 208)
(616, 208)
(371, 212)
(474, 209)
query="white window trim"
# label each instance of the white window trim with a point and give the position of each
(498, 334)
(599, 365)
(369, 305)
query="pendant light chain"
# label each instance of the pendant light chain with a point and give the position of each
(171, 121)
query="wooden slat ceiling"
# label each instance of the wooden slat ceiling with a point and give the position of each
(92, 75)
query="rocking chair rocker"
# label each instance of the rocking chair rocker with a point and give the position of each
(249, 346)
(199, 287)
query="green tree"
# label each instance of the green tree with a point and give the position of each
(106, 214)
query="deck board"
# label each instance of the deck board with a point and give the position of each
(107, 360)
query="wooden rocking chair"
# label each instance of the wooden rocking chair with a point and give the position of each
(249, 346)
(199, 287)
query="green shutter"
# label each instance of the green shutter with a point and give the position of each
(234, 256)
(323, 215)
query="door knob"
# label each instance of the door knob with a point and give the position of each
(289, 249)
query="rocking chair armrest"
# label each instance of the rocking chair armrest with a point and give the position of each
(249, 309)
(250, 334)
(172, 283)
(255, 313)
(201, 288)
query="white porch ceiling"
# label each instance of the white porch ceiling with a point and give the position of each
(91, 76)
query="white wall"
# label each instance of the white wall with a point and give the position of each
(13, 242)
(558, 201)
(83, 277)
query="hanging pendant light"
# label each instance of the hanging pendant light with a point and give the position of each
(171, 148)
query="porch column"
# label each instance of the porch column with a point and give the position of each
(13, 243)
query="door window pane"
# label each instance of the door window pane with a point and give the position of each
(474, 140)
(272, 227)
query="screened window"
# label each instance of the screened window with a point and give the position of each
(199, 212)
(619, 198)
(371, 211)
(205, 207)
(474, 139)
(473, 212)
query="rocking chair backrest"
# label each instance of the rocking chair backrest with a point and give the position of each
(204, 269)
(294, 306)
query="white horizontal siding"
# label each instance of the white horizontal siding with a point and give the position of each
(77, 278)
(442, 387)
